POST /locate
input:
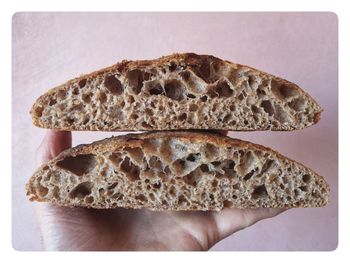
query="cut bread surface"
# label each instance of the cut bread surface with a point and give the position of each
(176, 171)
(180, 91)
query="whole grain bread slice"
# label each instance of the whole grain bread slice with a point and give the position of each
(176, 171)
(180, 91)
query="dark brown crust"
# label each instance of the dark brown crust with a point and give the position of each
(190, 59)
(134, 140)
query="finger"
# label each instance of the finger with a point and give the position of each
(231, 220)
(222, 132)
(53, 143)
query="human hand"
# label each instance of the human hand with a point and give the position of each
(79, 228)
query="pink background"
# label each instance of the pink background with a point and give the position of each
(50, 48)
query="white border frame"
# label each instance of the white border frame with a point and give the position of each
(335, 6)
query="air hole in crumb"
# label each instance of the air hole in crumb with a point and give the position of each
(81, 190)
(42, 191)
(255, 109)
(260, 92)
(86, 97)
(193, 107)
(115, 158)
(113, 85)
(182, 117)
(241, 97)
(259, 192)
(281, 114)
(130, 99)
(222, 90)
(179, 166)
(236, 186)
(249, 175)
(172, 66)
(131, 171)
(102, 97)
(172, 191)
(56, 192)
(303, 188)
(155, 163)
(204, 98)
(316, 194)
(282, 186)
(156, 90)
(296, 192)
(297, 104)
(211, 197)
(252, 81)
(79, 165)
(204, 168)
(228, 204)
(75, 91)
(282, 91)
(174, 89)
(232, 107)
(135, 80)
(193, 157)
(112, 186)
(157, 185)
(135, 153)
(306, 178)
(52, 102)
(152, 197)
(89, 199)
(191, 96)
(182, 200)
(214, 183)
(267, 106)
(61, 94)
(185, 75)
(134, 116)
(82, 83)
(142, 198)
(227, 118)
(269, 163)
(146, 125)
(216, 163)
(234, 196)
(70, 120)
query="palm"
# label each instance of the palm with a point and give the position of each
(122, 229)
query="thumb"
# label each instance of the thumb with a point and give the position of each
(53, 143)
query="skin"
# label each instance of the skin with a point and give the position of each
(126, 229)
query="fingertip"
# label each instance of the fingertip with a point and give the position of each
(53, 135)
(52, 144)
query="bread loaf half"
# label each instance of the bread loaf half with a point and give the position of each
(176, 171)
(180, 91)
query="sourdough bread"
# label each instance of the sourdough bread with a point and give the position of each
(180, 91)
(176, 171)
